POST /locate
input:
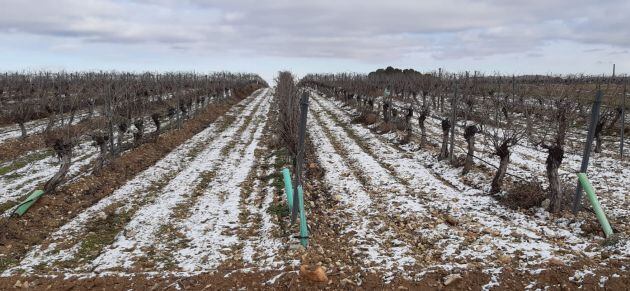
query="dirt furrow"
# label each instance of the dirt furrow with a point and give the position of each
(83, 237)
(138, 239)
(375, 243)
(210, 231)
(261, 244)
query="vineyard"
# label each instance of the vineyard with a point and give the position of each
(396, 179)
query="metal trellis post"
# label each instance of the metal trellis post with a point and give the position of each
(587, 147)
(300, 154)
(453, 124)
(623, 121)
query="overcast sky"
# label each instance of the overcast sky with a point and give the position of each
(529, 36)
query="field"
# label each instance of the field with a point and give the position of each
(196, 200)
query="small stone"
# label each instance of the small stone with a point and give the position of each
(347, 281)
(491, 231)
(452, 278)
(317, 274)
(451, 220)
(545, 204)
(18, 284)
(555, 262)
(101, 216)
(296, 247)
(505, 259)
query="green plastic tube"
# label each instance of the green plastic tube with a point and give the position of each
(288, 187)
(590, 194)
(26, 204)
(303, 227)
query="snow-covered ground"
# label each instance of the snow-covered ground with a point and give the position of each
(35, 167)
(606, 171)
(480, 230)
(399, 211)
(184, 211)
(16, 184)
(35, 126)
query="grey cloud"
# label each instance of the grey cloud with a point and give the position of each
(362, 30)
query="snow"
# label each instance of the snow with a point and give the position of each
(13, 131)
(218, 210)
(536, 238)
(141, 231)
(264, 242)
(405, 213)
(18, 183)
(358, 204)
(136, 189)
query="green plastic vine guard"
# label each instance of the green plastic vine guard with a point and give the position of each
(303, 227)
(26, 204)
(288, 189)
(590, 194)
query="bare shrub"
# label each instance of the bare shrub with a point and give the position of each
(288, 102)
(367, 118)
(385, 127)
(524, 195)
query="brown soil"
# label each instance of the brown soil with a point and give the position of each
(18, 147)
(53, 210)
(509, 279)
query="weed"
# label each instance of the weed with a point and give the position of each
(279, 209)
(6, 263)
(102, 233)
(22, 162)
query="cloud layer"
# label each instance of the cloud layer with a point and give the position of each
(538, 36)
(362, 30)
